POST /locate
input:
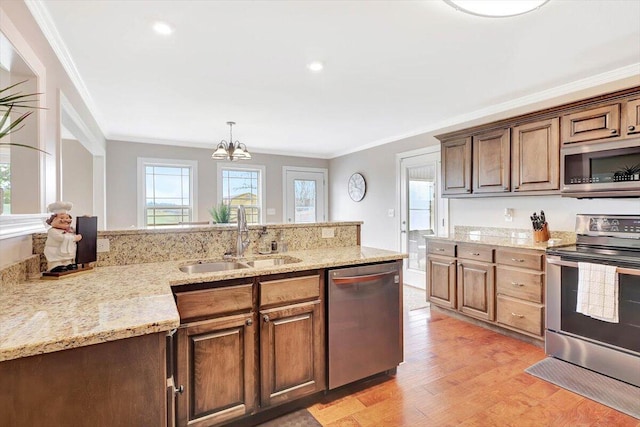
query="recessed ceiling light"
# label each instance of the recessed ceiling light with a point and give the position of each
(315, 66)
(162, 28)
(496, 8)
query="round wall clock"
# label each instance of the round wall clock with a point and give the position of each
(357, 187)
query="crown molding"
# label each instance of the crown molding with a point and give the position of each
(632, 70)
(45, 22)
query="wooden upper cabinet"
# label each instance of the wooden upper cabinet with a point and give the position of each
(492, 162)
(632, 115)
(595, 123)
(456, 166)
(535, 156)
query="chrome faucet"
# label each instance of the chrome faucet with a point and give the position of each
(243, 232)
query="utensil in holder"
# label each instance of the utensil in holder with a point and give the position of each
(541, 235)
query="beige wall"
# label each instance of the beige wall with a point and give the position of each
(77, 177)
(121, 170)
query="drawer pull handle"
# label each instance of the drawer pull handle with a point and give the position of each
(178, 390)
(474, 253)
(517, 284)
(517, 260)
(440, 249)
(631, 128)
(265, 318)
(519, 316)
(614, 131)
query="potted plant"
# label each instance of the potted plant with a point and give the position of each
(220, 213)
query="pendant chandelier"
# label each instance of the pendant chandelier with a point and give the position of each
(496, 8)
(231, 150)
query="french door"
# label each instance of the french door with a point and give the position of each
(422, 210)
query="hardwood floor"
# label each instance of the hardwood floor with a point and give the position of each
(458, 374)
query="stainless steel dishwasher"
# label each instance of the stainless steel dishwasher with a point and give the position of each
(364, 312)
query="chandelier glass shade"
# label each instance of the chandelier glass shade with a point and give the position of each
(231, 151)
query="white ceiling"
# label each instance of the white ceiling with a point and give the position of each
(392, 68)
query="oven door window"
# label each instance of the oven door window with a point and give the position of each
(625, 334)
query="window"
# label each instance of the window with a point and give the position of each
(167, 191)
(244, 186)
(304, 195)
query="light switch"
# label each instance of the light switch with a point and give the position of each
(508, 214)
(391, 213)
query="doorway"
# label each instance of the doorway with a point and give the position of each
(304, 195)
(422, 211)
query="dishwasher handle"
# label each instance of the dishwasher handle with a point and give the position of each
(365, 278)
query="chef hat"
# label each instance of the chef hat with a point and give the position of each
(60, 207)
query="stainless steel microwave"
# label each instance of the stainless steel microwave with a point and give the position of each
(604, 169)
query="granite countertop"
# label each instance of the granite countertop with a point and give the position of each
(512, 238)
(116, 302)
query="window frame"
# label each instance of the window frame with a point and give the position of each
(143, 162)
(262, 190)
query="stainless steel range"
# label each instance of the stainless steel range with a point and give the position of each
(612, 349)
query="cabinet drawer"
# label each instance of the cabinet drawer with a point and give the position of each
(212, 302)
(475, 252)
(522, 284)
(441, 248)
(520, 315)
(532, 260)
(596, 123)
(274, 292)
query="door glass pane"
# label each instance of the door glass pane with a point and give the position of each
(421, 218)
(304, 200)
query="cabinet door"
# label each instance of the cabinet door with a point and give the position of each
(492, 162)
(595, 123)
(535, 156)
(632, 115)
(441, 281)
(215, 365)
(292, 357)
(476, 296)
(456, 166)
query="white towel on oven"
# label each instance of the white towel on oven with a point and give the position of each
(598, 291)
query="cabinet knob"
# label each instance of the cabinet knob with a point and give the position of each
(614, 131)
(265, 318)
(249, 322)
(179, 390)
(519, 316)
(631, 128)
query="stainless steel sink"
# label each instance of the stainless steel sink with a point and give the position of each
(270, 262)
(210, 267)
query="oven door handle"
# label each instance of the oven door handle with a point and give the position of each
(555, 261)
(619, 270)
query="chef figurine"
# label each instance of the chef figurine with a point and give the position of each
(60, 248)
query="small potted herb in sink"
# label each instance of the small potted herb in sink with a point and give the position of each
(221, 213)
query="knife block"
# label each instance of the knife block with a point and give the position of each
(541, 235)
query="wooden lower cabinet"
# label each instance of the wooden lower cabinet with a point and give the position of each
(291, 352)
(475, 281)
(441, 280)
(216, 366)
(117, 383)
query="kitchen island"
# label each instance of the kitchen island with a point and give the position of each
(124, 310)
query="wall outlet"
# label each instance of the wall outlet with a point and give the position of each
(391, 213)
(102, 245)
(328, 233)
(271, 211)
(508, 214)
